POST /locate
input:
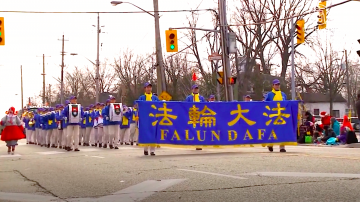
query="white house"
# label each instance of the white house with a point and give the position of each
(318, 102)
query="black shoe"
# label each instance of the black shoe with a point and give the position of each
(198, 148)
(80, 143)
(152, 153)
(127, 143)
(121, 143)
(146, 153)
(111, 147)
(271, 149)
(282, 150)
(105, 146)
(116, 147)
(132, 143)
(60, 147)
(100, 145)
(76, 150)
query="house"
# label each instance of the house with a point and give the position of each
(318, 102)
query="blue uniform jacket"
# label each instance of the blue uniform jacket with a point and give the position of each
(103, 111)
(128, 115)
(106, 115)
(153, 98)
(59, 117)
(37, 120)
(190, 98)
(26, 121)
(270, 96)
(43, 122)
(65, 113)
(52, 118)
(133, 114)
(89, 120)
(93, 116)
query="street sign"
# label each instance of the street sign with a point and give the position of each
(165, 96)
(232, 42)
(214, 56)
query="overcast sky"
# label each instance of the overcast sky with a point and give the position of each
(29, 36)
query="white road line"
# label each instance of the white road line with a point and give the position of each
(301, 174)
(25, 197)
(50, 152)
(216, 174)
(9, 156)
(100, 157)
(134, 193)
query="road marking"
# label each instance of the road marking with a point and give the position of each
(9, 155)
(216, 174)
(301, 174)
(50, 152)
(25, 197)
(100, 157)
(134, 193)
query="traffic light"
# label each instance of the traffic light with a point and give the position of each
(220, 80)
(322, 15)
(171, 41)
(300, 31)
(232, 80)
(2, 31)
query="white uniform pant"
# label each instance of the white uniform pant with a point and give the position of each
(134, 134)
(48, 136)
(99, 134)
(73, 135)
(152, 149)
(106, 137)
(114, 137)
(27, 135)
(37, 136)
(124, 135)
(60, 137)
(87, 135)
(43, 137)
(82, 135)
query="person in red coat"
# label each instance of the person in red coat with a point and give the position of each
(13, 130)
(325, 119)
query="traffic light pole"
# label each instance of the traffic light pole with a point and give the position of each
(160, 71)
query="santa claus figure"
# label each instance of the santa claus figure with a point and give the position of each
(13, 130)
(325, 119)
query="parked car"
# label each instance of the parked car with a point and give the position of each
(354, 122)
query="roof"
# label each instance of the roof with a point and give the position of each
(320, 97)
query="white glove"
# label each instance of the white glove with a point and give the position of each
(81, 119)
(41, 125)
(65, 118)
(107, 118)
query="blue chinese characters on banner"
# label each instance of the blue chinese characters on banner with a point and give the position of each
(218, 123)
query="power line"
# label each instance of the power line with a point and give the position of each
(77, 12)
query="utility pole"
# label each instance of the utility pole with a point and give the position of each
(22, 93)
(229, 96)
(49, 96)
(97, 60)
(292, 33)
(62, 71)
(43, 74)
(160, 73)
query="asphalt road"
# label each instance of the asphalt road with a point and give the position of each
(304, 173)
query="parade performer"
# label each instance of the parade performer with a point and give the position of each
(13, 130)
(73, 113)
(195, 97)
(89, 125)
(106, 136)
(37, 127)
(26, 120)
(134, 133)
(125, 126)
(211, 98)
(276, 95)
(82, 132)
(148, 96)
(43, 125)
(113, 127)
(60, 126)
(52, 131)
(65, 124)
(247, 98)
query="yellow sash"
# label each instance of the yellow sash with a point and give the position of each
(50, 122)
(278, 96)
(148, 97)
(125, 121)
(135, 118)
(196, 97)
(84, 121)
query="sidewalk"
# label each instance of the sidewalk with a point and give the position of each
(355, 145)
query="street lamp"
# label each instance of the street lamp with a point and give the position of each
(161, 86)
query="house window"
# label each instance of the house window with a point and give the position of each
(316, 112)
(336, 113)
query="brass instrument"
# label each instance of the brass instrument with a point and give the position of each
(31, 115)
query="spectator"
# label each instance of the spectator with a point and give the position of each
(335, 125)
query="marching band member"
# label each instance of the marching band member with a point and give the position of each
(133, 125)
(276, 95)
(65, 123)
(31, 129)
(94, 131)
(43, 125)
(37, 127)
(247, 98)
(212, 98)
(195, 97)
(25, 119)
(83, 127)
(148, 96)
(13, 130)
(113, 126)
(125, 126)
(52, 127)
(89, 124)
(73, 125)
(101, 125)
(60, 129)
(105, 125)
